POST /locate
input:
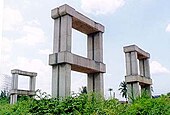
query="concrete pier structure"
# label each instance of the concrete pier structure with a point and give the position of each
(137, 71)
(63, 60)
(15, 91)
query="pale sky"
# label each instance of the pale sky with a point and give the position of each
(26, 30)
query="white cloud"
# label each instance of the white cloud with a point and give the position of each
(101, 6)
(31, 31)
(168, 28)
(33, 35)
(5, 45)
(157, 68)
(45, 52)
(6, 48)
(12, 18)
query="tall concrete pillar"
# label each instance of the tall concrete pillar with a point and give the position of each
(61, 74)
(63, 60)
(13, 97)
(95, 52)
(137, 81)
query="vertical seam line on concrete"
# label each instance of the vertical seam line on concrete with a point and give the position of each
(143, 68)
(93, 59)
(93, 83)
(58, 81)
(59, 44)
(93, 47)
(130, 56)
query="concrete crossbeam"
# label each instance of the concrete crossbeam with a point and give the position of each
(80, 22)
(78, 63)
(25, 73)
(133, 48)
(138, 78)
(22, 92)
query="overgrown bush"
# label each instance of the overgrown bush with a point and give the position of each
(86, 104)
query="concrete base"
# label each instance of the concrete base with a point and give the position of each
(133, 91)
(61, 80)
(95, 83)
(15, 92)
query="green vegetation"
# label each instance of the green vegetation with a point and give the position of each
(123, 89)
(86, 104)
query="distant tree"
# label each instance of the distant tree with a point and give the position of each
(168, 94)
(110, 90)
(84, 90)
(4, 94)
(123, 89)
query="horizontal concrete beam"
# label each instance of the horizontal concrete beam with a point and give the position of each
(80, 22)
(133, 48)
(138, 78)
(22, 92)
(78, 63)
(24, 73)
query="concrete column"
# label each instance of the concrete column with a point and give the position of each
(98, 47)
(99, 83)
(90, 83)
(95, 83)
(32, 83)
(55, 81)
(66, 31)
(90, 46)
(95, 52)
(61, 74)
(61, 80)
(133, 91)
(141, 67)
(62, 34)
(147, 68)
(14, 81)
(64, 80)
(136, 89)
(134, 63)
(13, 97)
(130, 92)
(128, 64)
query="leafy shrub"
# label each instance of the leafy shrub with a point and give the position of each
(86, 104)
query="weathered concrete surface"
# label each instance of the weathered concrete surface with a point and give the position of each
(138, 78)
(63, 61)
(137, 81)
(78, 63)
(133, 48)
(15, 91)
(80, 22)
